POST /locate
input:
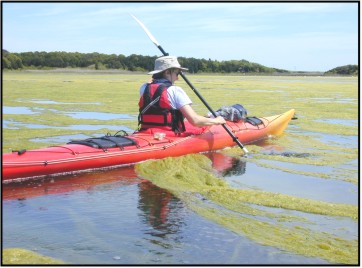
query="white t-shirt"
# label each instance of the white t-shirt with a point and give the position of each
(176, 95)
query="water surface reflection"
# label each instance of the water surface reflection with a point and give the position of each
(114, 217)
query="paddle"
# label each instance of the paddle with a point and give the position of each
(153, 39)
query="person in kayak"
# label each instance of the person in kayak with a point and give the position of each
(162, 104)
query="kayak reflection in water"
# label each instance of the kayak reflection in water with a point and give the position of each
(227, 165)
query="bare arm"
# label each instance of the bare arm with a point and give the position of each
(198, 120)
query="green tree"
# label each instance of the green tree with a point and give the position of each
(6, 64)
(344, 70)
(14, 62)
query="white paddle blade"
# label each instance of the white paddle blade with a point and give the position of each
(153, 39)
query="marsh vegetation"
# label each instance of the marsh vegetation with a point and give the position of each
(41, 108)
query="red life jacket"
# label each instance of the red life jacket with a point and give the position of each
(155, 109)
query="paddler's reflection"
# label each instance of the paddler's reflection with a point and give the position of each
(163, 211)
(159, 208)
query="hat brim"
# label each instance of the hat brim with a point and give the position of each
(160, 71)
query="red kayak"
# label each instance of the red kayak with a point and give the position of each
(88, 181)
(120, 150)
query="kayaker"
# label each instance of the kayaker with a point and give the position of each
(162, 104)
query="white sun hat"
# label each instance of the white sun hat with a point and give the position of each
(166, 62)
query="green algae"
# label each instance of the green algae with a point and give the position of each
(192, 179)
(234, 196)
(112, 93)
(316, 100)
(118, 93)
(304, 151)
(295, 239)
(19, 256)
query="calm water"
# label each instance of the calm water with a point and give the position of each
(113, 217)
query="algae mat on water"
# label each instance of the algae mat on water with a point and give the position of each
(52, 95)
(192, 179)
(19, 256)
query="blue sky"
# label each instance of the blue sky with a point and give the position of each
(293, 36)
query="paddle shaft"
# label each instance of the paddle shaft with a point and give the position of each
(153, 39)
(235, 139)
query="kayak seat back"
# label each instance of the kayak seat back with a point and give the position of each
(106, 142)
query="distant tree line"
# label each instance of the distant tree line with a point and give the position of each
(141, 63)
(344, 70)
(133, 62)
